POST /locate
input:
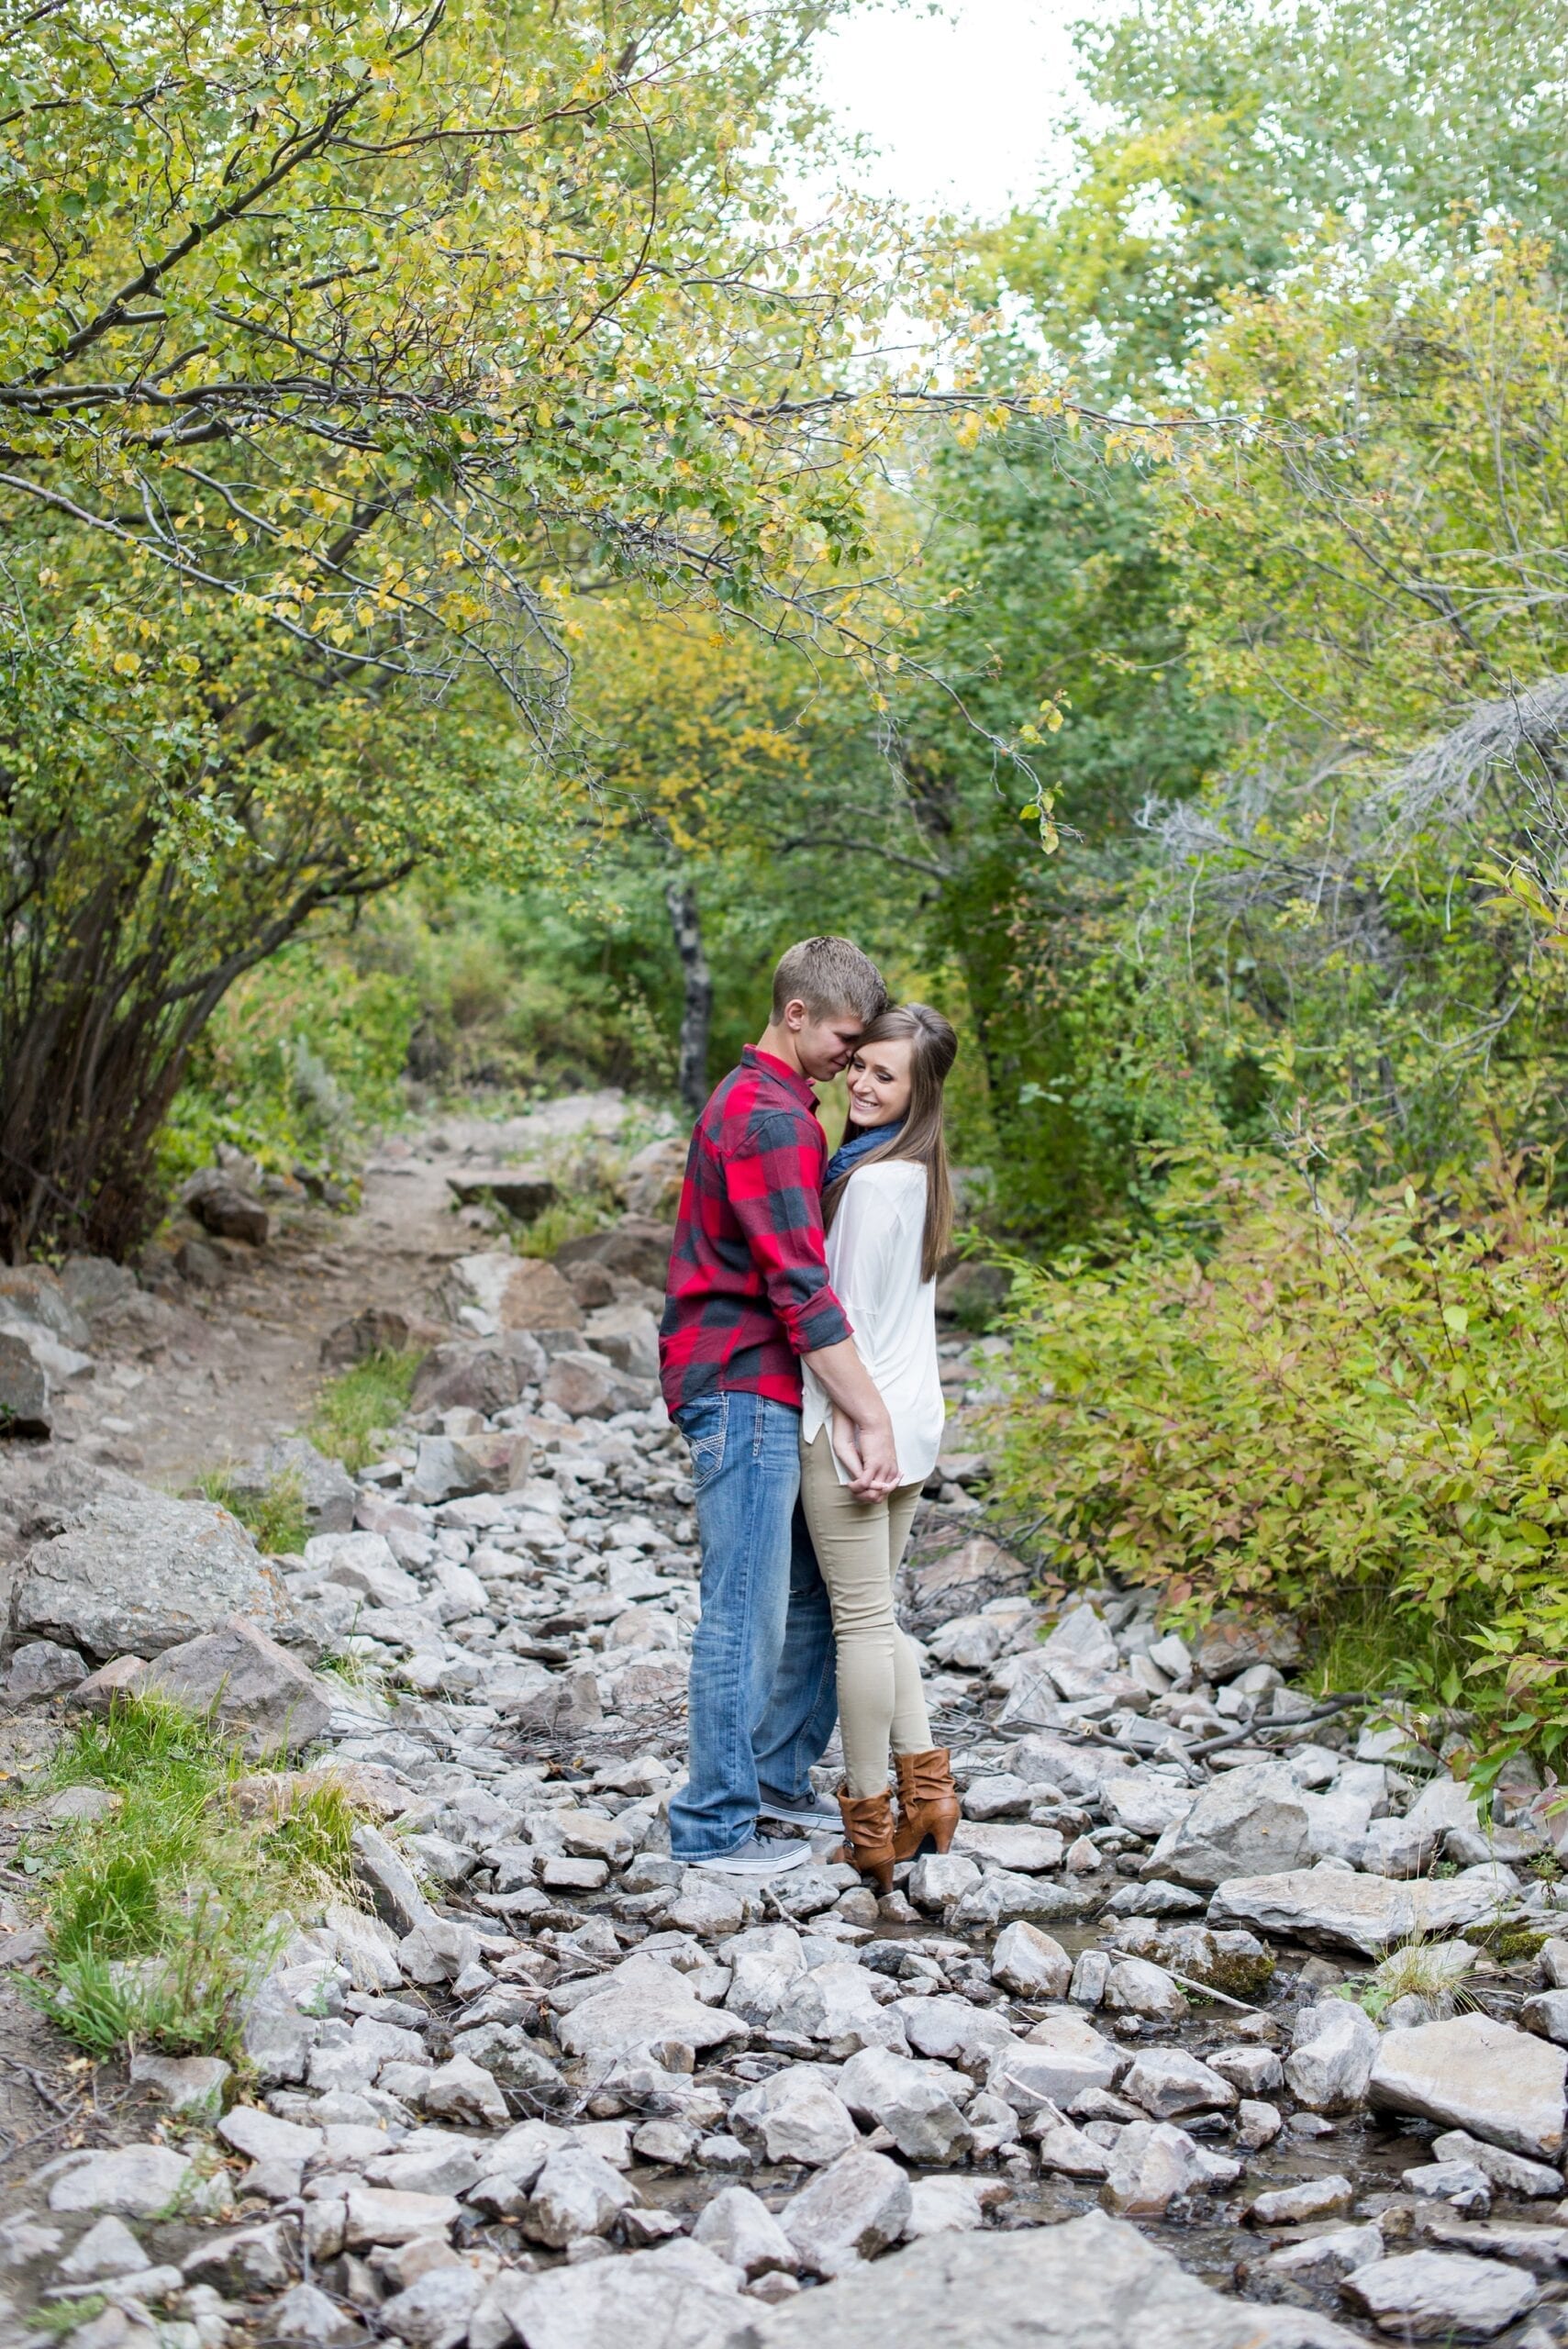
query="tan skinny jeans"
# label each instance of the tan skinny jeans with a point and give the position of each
(859, 1545)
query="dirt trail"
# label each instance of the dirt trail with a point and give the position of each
(229, 1368)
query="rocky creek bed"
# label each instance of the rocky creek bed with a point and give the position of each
(1091, 2078)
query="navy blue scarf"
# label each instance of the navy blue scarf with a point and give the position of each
(847, 1155)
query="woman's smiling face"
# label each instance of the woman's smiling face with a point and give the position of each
(879, 1082)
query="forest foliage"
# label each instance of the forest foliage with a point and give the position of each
(471, 599)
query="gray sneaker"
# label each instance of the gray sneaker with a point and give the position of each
(812, 1812)
(759, 1859)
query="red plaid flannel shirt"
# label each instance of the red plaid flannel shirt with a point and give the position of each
(748, 1291)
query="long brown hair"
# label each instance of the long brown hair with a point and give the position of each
(921, 1136)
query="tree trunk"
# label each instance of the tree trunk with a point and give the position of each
(696, 1010)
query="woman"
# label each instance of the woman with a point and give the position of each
(887, 1205)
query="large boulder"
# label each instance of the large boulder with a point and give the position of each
(1250, 1822)
(1330, 1908)
(483, 1378)
(247, 1682)
(1094, 2281)
(223, 1207)
(638, 1247)
(125, 1569)
(1476, 2074)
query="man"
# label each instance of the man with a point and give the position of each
(748, 1299)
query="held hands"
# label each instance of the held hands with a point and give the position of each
(868, 1455)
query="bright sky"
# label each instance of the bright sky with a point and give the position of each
(960, 102)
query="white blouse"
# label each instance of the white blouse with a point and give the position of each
(873, 1262)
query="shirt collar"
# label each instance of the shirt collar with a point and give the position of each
(801, 1086)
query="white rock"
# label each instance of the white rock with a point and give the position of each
(107, 2249)
(576, 2194)
(796, 2116)
(304, 2313)
(739, 2226)
(1135, 1987)
(136, 2181)
(433, 2311)
(1168, 2082)
(1330, 1909)
(680, 2295)
(379, 2215)
(460, 2091)
(265, 2137)
(1147, 1804)
(1248, 1822)
(1253, 2071)
(849, 2212)
(835, 2005)
(1003, 1894)
(1031, 1962)
(914, 2102)
(1323, 2259)
(1463, 2184)
(1441, 2296)
(950, 2031)
(1153, 2164)
(1030, 1851)
(939, 1880)
(642, 2004)
(1064, 2148)
(942, 2206)
(1333, 2048)
(1510, 2173)
(763, 1965)
(1062, 2056)
(1477, 2075)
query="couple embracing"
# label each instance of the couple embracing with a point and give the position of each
(798, 1355)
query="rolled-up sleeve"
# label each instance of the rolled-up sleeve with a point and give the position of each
(773, 1178)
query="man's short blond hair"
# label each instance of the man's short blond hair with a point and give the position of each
(828, 975)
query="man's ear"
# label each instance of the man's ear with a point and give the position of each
(795, 1015)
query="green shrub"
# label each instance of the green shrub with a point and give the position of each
(1353, 1411)
(357, 1408)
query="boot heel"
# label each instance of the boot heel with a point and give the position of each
(928, 1804)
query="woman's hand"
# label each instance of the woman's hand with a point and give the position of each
(845, 1443)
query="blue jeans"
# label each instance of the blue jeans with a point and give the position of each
(763, 1697)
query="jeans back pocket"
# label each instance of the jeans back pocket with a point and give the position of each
(705, 1425)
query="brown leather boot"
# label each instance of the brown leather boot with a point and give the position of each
(928, 1803)
(868, 1835)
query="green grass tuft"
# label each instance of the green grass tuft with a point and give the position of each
(57, 2318)
(354, 1411)
(572, 1217)
(277, 1517)
(162, 1915)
